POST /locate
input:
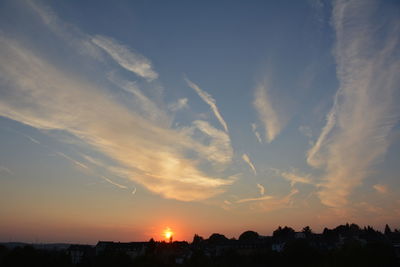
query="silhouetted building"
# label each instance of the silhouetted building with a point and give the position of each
(78, 253)
(132, 249)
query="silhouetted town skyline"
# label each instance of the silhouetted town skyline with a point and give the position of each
(344, 244)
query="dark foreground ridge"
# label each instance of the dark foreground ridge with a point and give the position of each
(345, 245)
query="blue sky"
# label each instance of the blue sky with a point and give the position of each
(120, 119)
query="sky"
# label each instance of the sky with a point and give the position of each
(119, 120)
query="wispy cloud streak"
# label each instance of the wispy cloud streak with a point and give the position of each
(256, 133)
(210, 101)
(365, 109)
(246, 159)
(134, 191)
(30, 138)
(244, 200)
(381, 188)
(266, 113)
(77, 163)
(262, 189)
(67, 32)
(293, 177)
(219, 149)
(182, 103)
(114, 183)
(147, 107)
(268, 203)
(126, 58)
(39, 94)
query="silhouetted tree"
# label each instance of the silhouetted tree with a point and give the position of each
(307, 231)
(325, 231)
(217, 238)
(388, 231)
(358, 247)
(354, 228)
(284, 233)
(151, 246)
(197, 240)
(249, 236)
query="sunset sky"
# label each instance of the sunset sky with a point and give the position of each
(121, 120)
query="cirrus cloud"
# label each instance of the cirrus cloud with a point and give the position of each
(42, 95)
(125, 57)
(365, 109)
(266, 113)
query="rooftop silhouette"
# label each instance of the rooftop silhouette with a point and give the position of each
(344, 245)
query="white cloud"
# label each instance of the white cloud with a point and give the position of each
(254, 199)
(269, 203)
(92, 160)
(262, 189)
(381, 188)
(134, 191)
(126, 58)
(143, 104)
(210, 101)
(67, 32)
(256, 133)
(77, 163)
(246, 159)
(218, 148)
(266, 113)
(114, 183)
(365, 109)
(30, 138)
(39, 94)
(182, 103)
(313, 155)
(294, 177)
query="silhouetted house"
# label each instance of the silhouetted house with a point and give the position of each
(132, 249)
(318, 242)
(176, 252)
(394, 239)
(299, 235)
(182, 252)
(278, 246)
(215, 245)
(249, 243)
(254, 246)
(396, 247)
(103, 246)
(78, 253)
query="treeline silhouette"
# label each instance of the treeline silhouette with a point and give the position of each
(345, 245)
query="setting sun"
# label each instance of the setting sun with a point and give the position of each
(168, 233)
